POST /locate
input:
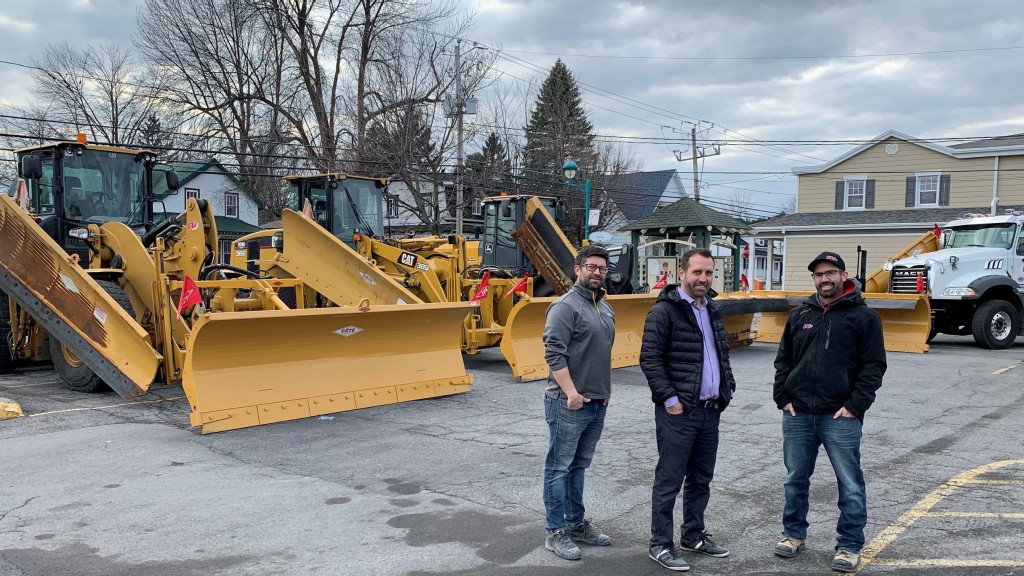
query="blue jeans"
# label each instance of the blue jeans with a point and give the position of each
(573, 439)
(802, 435)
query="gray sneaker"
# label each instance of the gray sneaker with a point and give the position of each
(845, 561)
(587, 533)
(668, 557)
(788, 546)
(562, 545)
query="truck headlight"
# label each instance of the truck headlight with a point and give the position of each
(959, 292)
(79, 233)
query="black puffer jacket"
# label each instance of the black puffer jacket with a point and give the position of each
(672, 353)
(830, 357)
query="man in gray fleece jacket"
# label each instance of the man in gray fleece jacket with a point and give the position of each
(578, 338)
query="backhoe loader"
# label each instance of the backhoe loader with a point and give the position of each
(113, 310)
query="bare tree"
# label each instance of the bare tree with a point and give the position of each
(97, 89)
(224, 73)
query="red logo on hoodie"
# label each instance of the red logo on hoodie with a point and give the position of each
(808, 326)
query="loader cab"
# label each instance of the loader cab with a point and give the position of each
(73, 184)
(345, 205)
(502, 215)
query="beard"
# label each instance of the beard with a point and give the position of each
(828, 290)
(696, 290)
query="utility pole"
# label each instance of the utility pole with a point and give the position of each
(693, 147)
(460, 103)
(694, 155)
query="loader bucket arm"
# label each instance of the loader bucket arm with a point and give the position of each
(329, 266)
(543, 242)
(250, 368)
(906, 318)
(71, 306)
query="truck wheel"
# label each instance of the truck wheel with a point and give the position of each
(71, 370)
(995, 324)
(6, 360)
(932, 334)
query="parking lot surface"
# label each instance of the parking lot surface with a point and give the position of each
(95, 485)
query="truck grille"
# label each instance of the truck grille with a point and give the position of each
(904, 280)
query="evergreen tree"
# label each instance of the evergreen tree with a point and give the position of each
(488, 172)
(558, 127)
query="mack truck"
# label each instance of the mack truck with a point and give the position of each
(974, 282)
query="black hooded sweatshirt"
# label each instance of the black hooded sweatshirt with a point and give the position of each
(830, 356)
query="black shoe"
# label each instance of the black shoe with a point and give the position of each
(668, 557)
(704, 545)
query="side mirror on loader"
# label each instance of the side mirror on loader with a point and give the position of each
(172, 180)
(31, 167)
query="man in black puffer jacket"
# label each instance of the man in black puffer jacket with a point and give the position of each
(685, 357)
(830, 364)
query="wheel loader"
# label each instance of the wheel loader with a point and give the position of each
(112, 298)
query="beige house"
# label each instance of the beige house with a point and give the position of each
(884, 194)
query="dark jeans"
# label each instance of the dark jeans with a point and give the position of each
(802, 435)
(571, 445)
(687, 449)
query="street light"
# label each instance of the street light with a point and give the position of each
(569, 169)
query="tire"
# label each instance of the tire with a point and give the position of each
(71, 371)
(541, 289)
(6, 358)
(932, 334)
(995, 325)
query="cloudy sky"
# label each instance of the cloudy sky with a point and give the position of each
(801, 82)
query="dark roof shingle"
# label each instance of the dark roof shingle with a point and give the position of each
(686, 213)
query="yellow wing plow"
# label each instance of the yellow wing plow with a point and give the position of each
(906, 318)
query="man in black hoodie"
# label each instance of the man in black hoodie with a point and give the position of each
(830, 364)
(685, 356)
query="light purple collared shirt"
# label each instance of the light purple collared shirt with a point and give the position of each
(710, 375)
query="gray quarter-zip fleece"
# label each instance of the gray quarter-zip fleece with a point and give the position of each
(578, 334)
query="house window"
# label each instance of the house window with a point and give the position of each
(392, 203)
(191, 193)
(855, 191)
(225, 251)
(478, 207)
(928, 189)
(231, 204)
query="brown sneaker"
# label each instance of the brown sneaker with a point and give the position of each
(788, 546)
(845, 561)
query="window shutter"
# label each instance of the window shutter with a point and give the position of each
(911, 191)
(840, 195)
(944, 190)
(869, 194)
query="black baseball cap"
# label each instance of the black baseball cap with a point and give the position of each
(831, 258)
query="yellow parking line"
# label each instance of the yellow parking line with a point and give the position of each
(997, 482)
(1012, 515)
(950, 563)
(13, 386)
(105, 407)
(1003, 370)
(907, 519)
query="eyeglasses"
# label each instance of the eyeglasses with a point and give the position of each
(596, 268)
(825, 274)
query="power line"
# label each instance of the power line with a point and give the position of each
(774, 57)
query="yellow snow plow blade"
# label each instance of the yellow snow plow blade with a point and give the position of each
(740, 310)
(70, 305)
(906, 318)
(250, 368)
(523, 343)
(327, 265)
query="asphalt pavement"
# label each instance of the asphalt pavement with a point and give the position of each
(94, 485)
